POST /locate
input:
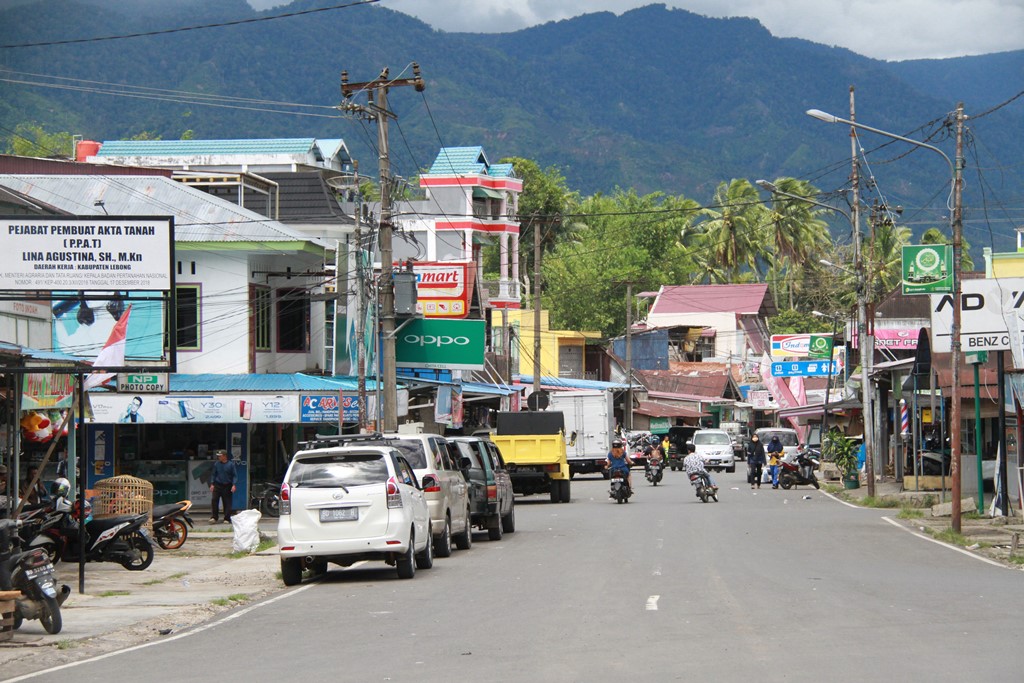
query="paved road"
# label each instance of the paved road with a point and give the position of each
(765, 587)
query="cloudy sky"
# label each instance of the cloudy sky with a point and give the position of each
(883, 29)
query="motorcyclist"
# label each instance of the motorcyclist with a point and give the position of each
(618, 461)
(694, 464)
(654, 454)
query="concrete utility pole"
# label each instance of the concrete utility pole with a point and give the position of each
(629, 355)
(377, 109)
(862, 335)
(954, 413)
(536, 305)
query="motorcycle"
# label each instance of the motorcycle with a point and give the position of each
(655, 472)
(31, 574)
(620, 490)
(171, 524)
(123, 539)
(268, 500)
(800, 472)
(705, 491)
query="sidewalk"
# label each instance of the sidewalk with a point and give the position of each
(129, 607)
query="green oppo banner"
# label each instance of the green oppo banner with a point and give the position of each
(441, 344)
(928, 269)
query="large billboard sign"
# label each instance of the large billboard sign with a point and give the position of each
(443, 289)
(441, 344)
(990, 311)
(86, 253)
(798, 345)
(927, 269)
(198, 409)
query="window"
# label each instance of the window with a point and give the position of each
(292, 320)
(330, 471)
(188, 335)
(259, 301)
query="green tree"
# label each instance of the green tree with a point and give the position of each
(791, 321)
(30, 140)
(734, 232)
(883, 254)
(936, 236)
(798, 236)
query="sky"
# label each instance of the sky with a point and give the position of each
(882, 29)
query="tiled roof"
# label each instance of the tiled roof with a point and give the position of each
(741, 299)
(122, 148)
(501, 171)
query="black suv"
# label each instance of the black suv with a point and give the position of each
(491, 501)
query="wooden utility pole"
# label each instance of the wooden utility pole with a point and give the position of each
(628, 413)
(954, 413)
(377, 109)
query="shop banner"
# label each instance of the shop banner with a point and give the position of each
(322, 407)
(445, 344)
(794, 345)
(47, 390)
(989, 315)
(443, 289)
(893, 338)
(927, 269)
(200, 409)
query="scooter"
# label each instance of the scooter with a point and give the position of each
(123, 539)
(31, 574)
(171, 524)
(705, 491)
(655, 471)
(620, 490)
(268, 499)
(800, 472)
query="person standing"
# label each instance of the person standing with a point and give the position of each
(755, 461)
(774, 455)
(32, 489)
(222, 486)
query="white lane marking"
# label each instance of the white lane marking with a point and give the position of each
(657, 570)
(652, 603)
(184, 634)
(838, 500)
(942, 543)
(661, 543)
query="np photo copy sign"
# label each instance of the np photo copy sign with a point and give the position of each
(441, 344)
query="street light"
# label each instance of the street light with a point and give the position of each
(957, 227)
(864, 342)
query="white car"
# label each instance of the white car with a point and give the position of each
(715, 447)
(347, 504)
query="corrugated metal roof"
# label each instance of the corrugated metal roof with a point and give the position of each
(198, 216)
(29, 354)
(742, 299)
(564, 383)
(209, 383)
(124, 148)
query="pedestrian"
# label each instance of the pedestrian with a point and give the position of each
(774, 455)
(62, 465)
(755, 461)
(32, 489)
(222, 485)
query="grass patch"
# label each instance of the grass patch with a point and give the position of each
(66, 644)
(112, 594)
(910, 513)
(947, 535)
(1017, 559)
(277, 575)
(264, 544)
(879, 502)
(834, 489)
(233, 599)
(153, 582)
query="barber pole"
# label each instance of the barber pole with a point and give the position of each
(904, 418)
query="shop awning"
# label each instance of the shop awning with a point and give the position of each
(818, 408)
(486, 192)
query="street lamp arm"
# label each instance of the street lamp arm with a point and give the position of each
(830, 118)
(773, 188)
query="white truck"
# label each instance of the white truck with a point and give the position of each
(589, 427)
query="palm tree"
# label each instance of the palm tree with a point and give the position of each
(797, 231)
(936, 236)
(734, 230)
(885, 258)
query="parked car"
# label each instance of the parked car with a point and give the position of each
(715, 447)
(346, 504)
(491, 500)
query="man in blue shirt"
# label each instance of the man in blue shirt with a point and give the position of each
(222, 486)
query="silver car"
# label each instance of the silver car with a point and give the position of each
(715, 447)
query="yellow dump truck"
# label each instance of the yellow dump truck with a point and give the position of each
(533, 447)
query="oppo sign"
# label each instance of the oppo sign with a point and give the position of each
(442, 344)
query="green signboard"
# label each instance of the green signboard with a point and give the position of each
(659, 425)
(441, 344)
(928, 269)
(820, 347)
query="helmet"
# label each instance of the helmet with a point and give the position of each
(60, 488)
(617, 443)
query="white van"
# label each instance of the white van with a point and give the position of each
(788, 437)
(715, 447)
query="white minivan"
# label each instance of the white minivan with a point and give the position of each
(715, 447)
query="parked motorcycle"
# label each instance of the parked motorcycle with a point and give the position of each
(800, 472)
(30, 573)
(655, 472)
(267, 499)
(620, 490)
(705, 491)
(123, 539)
(171, 524)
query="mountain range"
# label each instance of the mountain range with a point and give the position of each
(656, 99)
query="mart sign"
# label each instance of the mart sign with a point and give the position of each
(441, 344)
(443, 289)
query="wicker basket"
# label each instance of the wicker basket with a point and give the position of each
(124, 495)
